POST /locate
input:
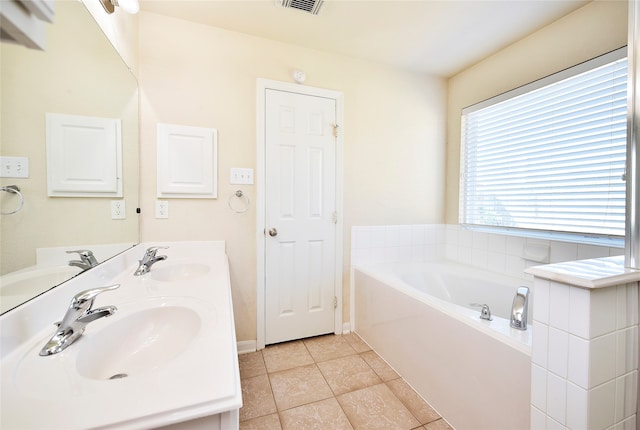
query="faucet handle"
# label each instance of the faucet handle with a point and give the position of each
(485, 311)
(87, 296)
(86, 255)
(81, 252)
(151, 252)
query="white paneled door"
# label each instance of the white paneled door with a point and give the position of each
(300, 205)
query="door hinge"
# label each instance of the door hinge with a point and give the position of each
(334, 218)
(335, 302)
(335, 130)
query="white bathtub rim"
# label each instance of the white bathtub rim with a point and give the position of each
(498, 328)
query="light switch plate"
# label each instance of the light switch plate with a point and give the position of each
(14, 167)
(241, 176)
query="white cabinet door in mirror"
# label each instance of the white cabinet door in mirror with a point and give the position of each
(84, 156)
(24, 21)
(187, 162)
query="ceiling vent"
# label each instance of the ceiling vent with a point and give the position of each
(310, 6)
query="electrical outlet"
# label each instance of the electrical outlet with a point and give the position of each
(162, 209)
(118, 209)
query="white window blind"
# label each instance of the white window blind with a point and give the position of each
(550, 156)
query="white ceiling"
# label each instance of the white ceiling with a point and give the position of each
(438, 37)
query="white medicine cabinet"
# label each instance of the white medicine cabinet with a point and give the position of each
(187, 162)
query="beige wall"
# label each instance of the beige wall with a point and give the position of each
(597, 28)
(196, 75)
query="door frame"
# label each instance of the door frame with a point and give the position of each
(262, 86)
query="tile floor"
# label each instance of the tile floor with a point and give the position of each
(328, 383)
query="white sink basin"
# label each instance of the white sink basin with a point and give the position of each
(177, 347)
(138, 343)
(143, 341)
(179, 272)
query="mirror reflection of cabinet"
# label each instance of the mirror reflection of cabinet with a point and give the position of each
(84, 156)
(24, 22)
(79, 73)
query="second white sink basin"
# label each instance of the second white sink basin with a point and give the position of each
(137, 343)
(179, 272)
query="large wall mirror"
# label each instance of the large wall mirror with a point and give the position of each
(79, 73)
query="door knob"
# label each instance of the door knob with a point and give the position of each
(273, 232)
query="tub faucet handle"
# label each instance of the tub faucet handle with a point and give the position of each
(485, 311)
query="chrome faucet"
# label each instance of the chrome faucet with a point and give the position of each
(519, 309)
(79, 314)
(485, 312)
(149, 260)
(87, 259)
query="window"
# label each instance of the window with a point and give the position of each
(550, 156)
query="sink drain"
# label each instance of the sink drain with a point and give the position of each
(119, 376)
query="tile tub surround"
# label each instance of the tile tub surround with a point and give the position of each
(394, 243)
(496, 252)
(585, 346)
(328, 382)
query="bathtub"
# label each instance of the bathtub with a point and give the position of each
(475, 373)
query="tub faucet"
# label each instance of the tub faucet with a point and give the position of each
(79, 314)
(519, 309)
(149, 260)
(485, 312)
(87, 259)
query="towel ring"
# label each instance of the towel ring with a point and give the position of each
(244, 199)
(13, 189)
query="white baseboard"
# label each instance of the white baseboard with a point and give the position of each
(346, 328)
(246, 346)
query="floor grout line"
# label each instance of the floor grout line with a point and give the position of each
(355, 352)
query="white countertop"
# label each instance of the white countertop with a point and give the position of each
(49, 392)
(594, 273)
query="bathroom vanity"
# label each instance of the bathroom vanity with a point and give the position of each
(166, 358)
